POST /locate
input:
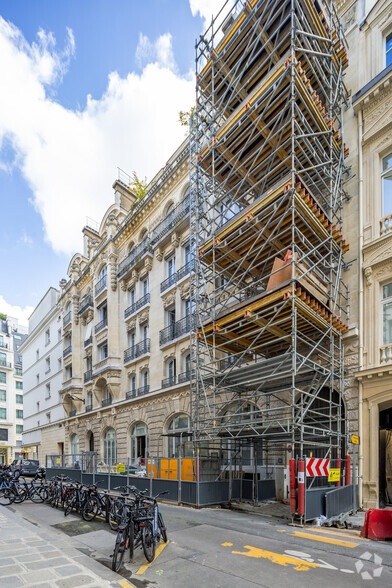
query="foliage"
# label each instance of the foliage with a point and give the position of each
(184, 116)
(3, 317)
(138, 186)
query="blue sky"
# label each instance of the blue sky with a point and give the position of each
(88, 85)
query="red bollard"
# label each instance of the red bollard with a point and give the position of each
(338, 466)
(293, 487)
(347, 477)
(301, 487)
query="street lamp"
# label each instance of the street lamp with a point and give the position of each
(71, 397)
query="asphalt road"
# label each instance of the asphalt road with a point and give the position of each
(222, 548)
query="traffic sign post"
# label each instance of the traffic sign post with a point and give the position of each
(355, 441)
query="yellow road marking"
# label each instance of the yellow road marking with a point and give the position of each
(226, 544)
(143, 568)
(339, 533)
(331, 540)
(278, 558)
(126, 584)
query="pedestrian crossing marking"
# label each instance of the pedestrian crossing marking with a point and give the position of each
(338, 533)
(331, 540)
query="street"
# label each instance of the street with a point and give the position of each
(210, 547)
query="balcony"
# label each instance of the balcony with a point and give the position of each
(3, 345)
(131, 394)
(88, 342)
(67, 351)
(4, 363)
(67, 319)
(185, 270)
(87, 376)
(180, 212)
(101, 285)
(176, 330)
(170, 281)
(89, 408)
(137, 306)
(167, 382)
(72, 412)
(85, 304)
(139, 392)
(134, 257)
(101, 325)
(185, 376)
(106, 402)
(137, 350)
(18, 372)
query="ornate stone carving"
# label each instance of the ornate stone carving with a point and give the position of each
(169, 299)
(384, 272)
(143, 366)
(169, 355)
(113, 271)
(158, 254)
(185, 291)
(131, 325)
(368, 275)
(143, 316)
(75, 308)
(175, 239)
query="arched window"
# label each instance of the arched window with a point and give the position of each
(103, 272)
(169, 209)
(145, 381)
(140, 441)
(102, 280)
(75, 450)
(89, 399)
(171, 368)
(110, 446)
(178, 444)
(187, 364)
(143, 235)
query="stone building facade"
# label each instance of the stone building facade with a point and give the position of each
(368, 214)
(126, 323)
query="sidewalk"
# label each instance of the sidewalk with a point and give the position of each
(47, 558)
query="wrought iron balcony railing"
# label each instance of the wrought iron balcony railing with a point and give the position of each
(185, 376)
(101, 285)
(72, 412)
(137, 305)
(87, 376)
(185, 270)
(168, 282)
(106, 401)
(142, 390)
(101, 325)
(89, 407)
(134, 257)
(171, 381)
(67, 351)
(5, 363)
(88, 341)
(176, 330)
(67, 319)
(131, 394)
(169, 223)
(137, 350)
(3, 345)
(86, 303)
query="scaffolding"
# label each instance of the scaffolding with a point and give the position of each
(267, 173)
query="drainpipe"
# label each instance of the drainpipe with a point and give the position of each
(360, 288)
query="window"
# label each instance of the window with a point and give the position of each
(3, 359)
(140, 441)
(144, 332)
(132, 297)
(187, 363)
(177, 443)
(75, 446)
(47, 337)
(171, 266)
(47, 362)
(171, 369)
(3, 434)
(170, 316)
(3, 395)
(3, 377)
(89, 398)
(19, 414)
(131, 339)
(145, 287)
(103, 313)
(68, 372)
(110, 446)
(386, 176)
(145, 379)
(388, 50)
(103, 351)
(3, 413)
(19, 385)
(169, 209)
(19, 429)
(187, 253)
(387, 313)
(48, 390)
(19, 399)
(48, 417)
(132, 383)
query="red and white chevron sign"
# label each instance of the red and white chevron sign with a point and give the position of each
(317, 467)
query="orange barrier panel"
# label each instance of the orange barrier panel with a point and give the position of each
(188, 470)
(378, 524)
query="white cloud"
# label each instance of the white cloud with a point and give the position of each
(68, 157)
(207, 9)
(22, 314)
(159, 51)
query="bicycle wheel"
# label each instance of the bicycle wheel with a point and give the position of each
(90, 509)
(43, 492)
(35, 495)
(7, 496)
(115, 515)
(20, 495)
(69, 506)
(162, 528)
(148, 541)
(119, 550)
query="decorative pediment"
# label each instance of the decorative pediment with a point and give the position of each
(131, 325)
(143, 316)
(185, 291)
(379, 252)
(378, 120)
(169, 299)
